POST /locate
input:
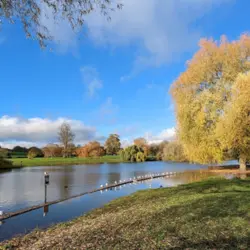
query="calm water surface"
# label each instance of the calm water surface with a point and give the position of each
(24, 187)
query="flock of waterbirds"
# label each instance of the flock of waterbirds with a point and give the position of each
(135, 180)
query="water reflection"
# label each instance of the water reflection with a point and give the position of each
(45, 210)
(24, 187)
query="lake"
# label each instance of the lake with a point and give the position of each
(21, 188)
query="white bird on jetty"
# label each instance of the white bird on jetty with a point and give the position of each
(101, 186)
(1, 213)
(120, 181)
(115, 182)
(106, 184)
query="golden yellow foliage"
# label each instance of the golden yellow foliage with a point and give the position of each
(233, 128)
(203, 93)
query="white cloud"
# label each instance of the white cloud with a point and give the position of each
(91, 80)
(161, 29)
(40, 131)
(168, 134)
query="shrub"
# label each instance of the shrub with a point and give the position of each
(35, 152)
(133, 153)
(140, 157)
(5, 153)
(5, 163)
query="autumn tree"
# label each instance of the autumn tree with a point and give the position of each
(112, 144)
(174, 151)
(32, 13)
(91, 149)
(203, 95)
(142, 143)
(52, 150)
(35, 152)
(72, 149)
(82, 151)
(161, 146)
(66, 137)
(153, 149)
(233, 129)
(95, 149)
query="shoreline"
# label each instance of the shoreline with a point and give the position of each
(233, 169)
(211, 214)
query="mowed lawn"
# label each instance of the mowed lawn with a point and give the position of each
(64, 161)
(213, 214)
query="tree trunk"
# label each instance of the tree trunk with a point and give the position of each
(243, 161)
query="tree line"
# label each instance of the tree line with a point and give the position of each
(140, 151)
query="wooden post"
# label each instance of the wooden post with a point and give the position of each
(46, 182)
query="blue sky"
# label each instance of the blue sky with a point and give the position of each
(115, 78)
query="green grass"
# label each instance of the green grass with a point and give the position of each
(25, 162)
(213, 214)
(64, 161)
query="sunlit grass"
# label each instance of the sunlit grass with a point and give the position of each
(64, 161)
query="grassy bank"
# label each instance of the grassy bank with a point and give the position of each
(57, 161)
(213, 214)
(64, 161)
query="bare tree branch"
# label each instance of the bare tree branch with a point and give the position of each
(28, 12)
